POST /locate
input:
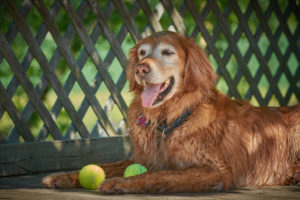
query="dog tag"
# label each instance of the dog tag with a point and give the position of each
(142, 121)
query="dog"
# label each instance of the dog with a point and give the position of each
(191, 137)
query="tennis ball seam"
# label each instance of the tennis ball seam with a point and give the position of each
(91, 176)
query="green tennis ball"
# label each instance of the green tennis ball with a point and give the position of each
(134, 169)
(91, 176)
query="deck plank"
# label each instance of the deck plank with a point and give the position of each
(29, 188)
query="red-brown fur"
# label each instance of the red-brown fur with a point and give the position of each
(223, 144)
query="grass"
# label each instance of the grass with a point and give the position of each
(76, 96)
(63, 120)
(102, 45)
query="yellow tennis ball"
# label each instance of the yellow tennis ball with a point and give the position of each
(134, 169)
(91, 176)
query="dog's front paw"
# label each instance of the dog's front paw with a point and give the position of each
(61, 180)
(49, 182)
(115, 186)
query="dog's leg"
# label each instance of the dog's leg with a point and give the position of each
(115, 169)
(177, 181)
(70, 179)
(295, 174)
(61, 180)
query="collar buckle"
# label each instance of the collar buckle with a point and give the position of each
(167, 130)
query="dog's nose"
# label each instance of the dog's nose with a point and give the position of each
(142, 70)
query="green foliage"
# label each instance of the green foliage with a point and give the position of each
(115, 22)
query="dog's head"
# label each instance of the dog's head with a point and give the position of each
(165, 64)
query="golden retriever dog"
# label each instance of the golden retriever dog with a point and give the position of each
(191, 137)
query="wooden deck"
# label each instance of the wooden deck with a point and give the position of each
(29, 187)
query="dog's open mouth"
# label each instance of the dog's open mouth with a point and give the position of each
(155, 93)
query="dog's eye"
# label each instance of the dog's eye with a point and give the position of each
(142, 52)
(167, 52)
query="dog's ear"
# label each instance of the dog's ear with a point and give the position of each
(130, 71)
(198, 74)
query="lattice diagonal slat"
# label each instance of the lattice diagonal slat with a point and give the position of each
(254, 46)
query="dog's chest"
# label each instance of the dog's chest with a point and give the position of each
(158, 151)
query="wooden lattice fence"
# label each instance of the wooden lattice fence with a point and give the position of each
(253, 45)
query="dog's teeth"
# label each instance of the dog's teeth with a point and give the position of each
(167, 83)
(144, 83)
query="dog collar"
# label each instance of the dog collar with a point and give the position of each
(166, 130)
(162, 126)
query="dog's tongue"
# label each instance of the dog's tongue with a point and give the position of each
(149, 94)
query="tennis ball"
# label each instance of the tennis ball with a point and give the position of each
(134, 169)
(91, 176)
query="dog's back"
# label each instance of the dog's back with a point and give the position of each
(260, 143)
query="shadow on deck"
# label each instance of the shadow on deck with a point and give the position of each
(29, 188)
